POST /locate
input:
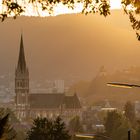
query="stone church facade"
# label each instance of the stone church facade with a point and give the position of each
(32, 105)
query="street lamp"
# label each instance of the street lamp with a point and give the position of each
(84, 136)
(124, 85)
(92, 136)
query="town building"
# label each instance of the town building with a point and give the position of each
(31, 105)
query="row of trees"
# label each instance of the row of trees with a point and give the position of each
(46, 129)
(117, 124)
(42, 129)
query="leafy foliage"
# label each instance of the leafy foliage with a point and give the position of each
(3, 123)
(116, 126)
(129, 109)
(132, 9)
(75, 125)
(138, 131)
(45, 129)
(6, 130)
(14, 8)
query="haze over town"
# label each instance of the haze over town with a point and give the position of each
(70, 45)
(60, 66)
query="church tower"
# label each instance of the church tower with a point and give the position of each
(21, 84)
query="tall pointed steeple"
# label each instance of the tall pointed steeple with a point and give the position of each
(21, 84)
(21, 59)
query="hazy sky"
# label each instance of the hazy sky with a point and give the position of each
(69, 46)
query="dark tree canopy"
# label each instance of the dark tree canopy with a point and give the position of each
(116, 126)
(75, 126)
(7, 132)
(46, 129)
(129, 109)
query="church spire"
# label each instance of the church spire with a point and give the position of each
(21, 59)
(21, 84)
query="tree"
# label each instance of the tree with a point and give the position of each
(129, 109)
(17, 131)
(45, 129)
(75, 125)
(39, 129)
(3, 123)
(138, 131)
(59, 130)
(16, 8)
(116, 126)
(6, 131)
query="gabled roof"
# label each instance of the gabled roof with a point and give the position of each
(72, 102)
(42, 100)
(53, 101)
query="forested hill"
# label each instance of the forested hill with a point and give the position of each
(97, 90)
(69, 47)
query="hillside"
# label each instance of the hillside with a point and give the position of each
(99, 91)
(69, 47)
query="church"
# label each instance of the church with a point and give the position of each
(31, 105)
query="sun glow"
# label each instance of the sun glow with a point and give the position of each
(35, 10)
(115, 4)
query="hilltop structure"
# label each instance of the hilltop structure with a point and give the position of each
(31, 105)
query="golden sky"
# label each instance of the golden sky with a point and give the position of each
(60, 9)
(115, 4)
(72, 44)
